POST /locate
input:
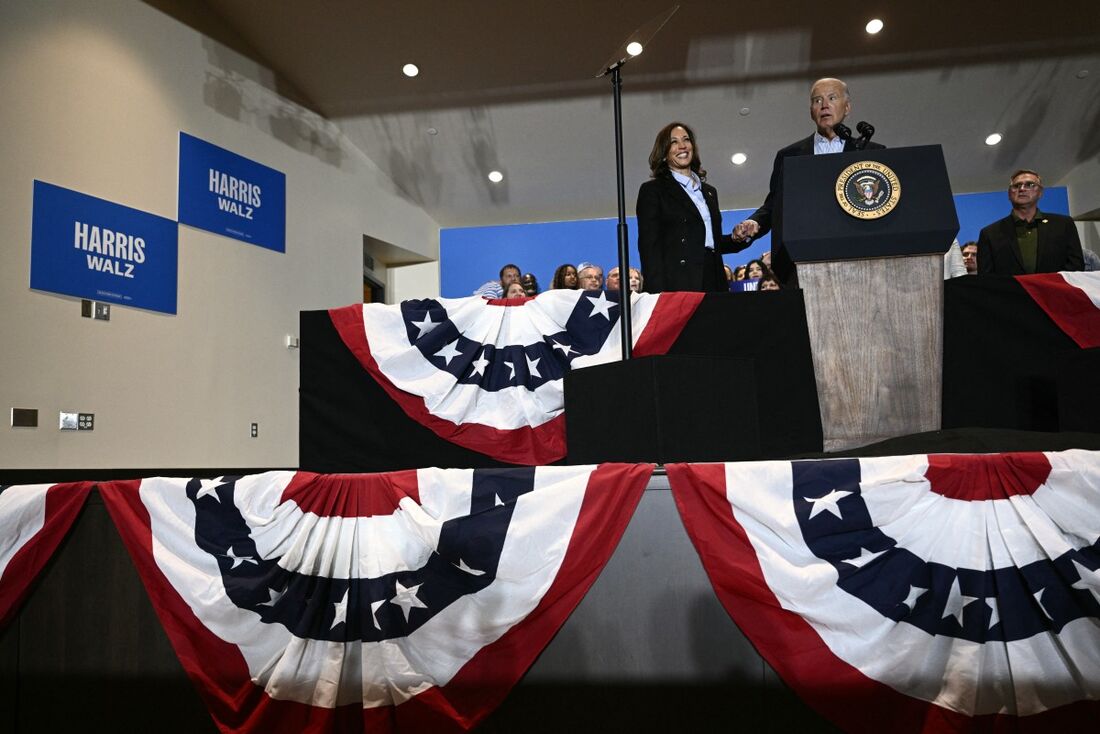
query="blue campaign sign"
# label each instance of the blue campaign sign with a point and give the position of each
(87, 247)
(228, 194)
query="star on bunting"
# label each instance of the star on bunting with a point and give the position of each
(565, 349)
(994, 612)
(238, 560)
(827, 503)
(449, 352)
(406, 598)
(1090, 580)
(915, 592)
(472, 571)
(479, 365)
(956, 602)
(426, 325)
(340, 610)
(602, 306)
(511, 369)
(533, 366)
(1038, 596)
(374, 605)
(865, 557)
(273, 597)
(209, 487)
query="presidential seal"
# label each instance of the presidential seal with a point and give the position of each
(868, 190)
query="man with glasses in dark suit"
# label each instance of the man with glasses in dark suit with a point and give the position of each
(1028, 240)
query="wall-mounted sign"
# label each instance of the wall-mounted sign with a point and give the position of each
(91, 248)
(228, 194)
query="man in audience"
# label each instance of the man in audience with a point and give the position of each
(496, 288)
(970, 257)
(830, 103)
(1028, 240)
(590, 277)
(613, 280)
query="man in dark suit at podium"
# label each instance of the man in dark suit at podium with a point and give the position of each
(830, 103)
(1027, 240)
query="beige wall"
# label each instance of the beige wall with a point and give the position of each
(1083, 183)
(94, 96)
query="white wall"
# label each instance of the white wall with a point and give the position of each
(1083, 183)
(94, 96)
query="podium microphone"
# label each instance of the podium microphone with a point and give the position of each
(843, 131)
(866, 132)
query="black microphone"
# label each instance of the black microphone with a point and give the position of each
(866, 132)
(842, 131)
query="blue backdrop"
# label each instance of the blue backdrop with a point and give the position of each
(470, 256)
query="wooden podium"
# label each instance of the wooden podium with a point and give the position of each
(873, 285)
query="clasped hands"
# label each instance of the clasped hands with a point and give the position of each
(745, 230)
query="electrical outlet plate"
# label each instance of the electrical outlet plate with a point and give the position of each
(254, 431)
(102, 311)
(85, 421)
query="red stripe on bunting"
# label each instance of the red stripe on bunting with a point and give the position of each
(667, 321)
(987, 477)
(831, 686)
(542, 444)
(349, 495)
(63, 503)
(1068, 306)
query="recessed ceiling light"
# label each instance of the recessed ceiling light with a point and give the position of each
(1082, 74)
(874, 26)
(496, 176)
(633, 48)
(738, 158)
(744, 111)
(993, 139)
(410, 70)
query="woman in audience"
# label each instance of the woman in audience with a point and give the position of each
(515, 290)
(680, 236)
(565, 277)
(768, 283)
(739, 272)
(756, 269)
(530, 284)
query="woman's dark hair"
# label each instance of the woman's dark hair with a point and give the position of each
(764, 269)
(658, 157)
(558, 280)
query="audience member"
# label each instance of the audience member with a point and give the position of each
(739, 272)
(756, 269)
(635, 280)
(590, 276)
(954, 265)
(1092, 260)
(496, 288)
(530, 284)
(768, 283)
(565, 277)
(729, 272)
(970, 257)
(1028, 240)
(515, 290)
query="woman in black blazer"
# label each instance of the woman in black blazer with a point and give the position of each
(676, 207)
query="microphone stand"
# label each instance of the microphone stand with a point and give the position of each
(614, 69)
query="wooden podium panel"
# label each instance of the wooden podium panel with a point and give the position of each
(876, 332)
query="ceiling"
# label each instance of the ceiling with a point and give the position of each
(511, 86)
